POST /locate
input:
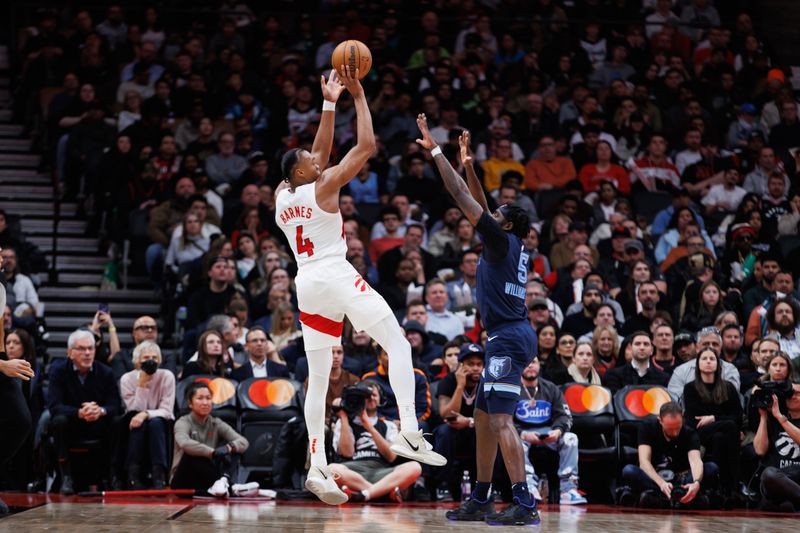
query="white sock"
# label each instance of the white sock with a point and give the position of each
(319, 369)
(365, 493)
(401, 372)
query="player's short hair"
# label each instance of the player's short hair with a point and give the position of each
(289, 162)
(520, 222)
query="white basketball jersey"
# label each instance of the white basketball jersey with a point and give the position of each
(314, 235)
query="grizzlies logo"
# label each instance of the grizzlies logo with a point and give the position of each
(499, 367)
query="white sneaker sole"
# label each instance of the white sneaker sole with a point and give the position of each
(423, 456)
(322, 490)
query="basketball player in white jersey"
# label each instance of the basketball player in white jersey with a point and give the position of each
(328, 287)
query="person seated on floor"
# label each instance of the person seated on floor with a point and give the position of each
(148, 393)
(777, 441)
(671, 469)
(542, 410)
(83, 399)
(207, 449)
(388, 408)
(365, 440)
(456, 396)
(338, 379)
(714, 410)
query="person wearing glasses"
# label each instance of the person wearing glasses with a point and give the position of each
(82, 398)
(145, 328)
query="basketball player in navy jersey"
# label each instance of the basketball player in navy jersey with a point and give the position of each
(511, 342)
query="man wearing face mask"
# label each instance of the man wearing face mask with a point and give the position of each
(579, 324)
(149, 397)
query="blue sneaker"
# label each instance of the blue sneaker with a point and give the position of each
(515, 514)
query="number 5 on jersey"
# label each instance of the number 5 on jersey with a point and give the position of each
(304, 246)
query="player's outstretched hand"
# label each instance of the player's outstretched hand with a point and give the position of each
(463, 144)
(350, 81)
(17, 368)
(332, 88)
(427, 141)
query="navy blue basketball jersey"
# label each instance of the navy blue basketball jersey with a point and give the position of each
(502, 274)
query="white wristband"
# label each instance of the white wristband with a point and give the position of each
(327, 105)
(436, 151)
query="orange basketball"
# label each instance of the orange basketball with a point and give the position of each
(353, 55)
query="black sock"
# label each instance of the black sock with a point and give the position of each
(481, 492)
(521, 494)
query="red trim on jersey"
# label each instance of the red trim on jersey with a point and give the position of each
(322, 324)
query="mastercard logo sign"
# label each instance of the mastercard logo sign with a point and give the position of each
(582, 399)
(266, 393)
(642, 402)
(222, 389)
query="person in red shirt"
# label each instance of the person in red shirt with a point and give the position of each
(593, 174)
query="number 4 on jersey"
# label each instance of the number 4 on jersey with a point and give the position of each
(304, 245)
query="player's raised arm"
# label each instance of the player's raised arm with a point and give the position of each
(338, 176)
(323, 142)
(473, 182)
(452, 180)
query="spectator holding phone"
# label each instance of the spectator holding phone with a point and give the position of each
(102, 318)
(543, 419)
(455, 439)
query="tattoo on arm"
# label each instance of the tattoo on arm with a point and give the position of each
(458, 189)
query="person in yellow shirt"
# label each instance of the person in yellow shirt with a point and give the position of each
(499, 163)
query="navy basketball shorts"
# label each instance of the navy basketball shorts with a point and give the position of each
(508, 351)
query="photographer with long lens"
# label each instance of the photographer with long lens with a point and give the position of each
(365, 439)
(15, 418)
(777, 441)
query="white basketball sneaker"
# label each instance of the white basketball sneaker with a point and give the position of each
(245, 490)
(412, 445)
(220, 488)
(321, 482)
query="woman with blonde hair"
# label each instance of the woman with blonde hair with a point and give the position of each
(582, 368)
(605, 347)
(283, 327)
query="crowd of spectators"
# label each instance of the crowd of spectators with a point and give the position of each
(654, 144)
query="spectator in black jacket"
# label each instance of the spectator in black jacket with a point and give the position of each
(258, 365)
(714, 410)
(639, 371)
(82, 399)
(212, 298)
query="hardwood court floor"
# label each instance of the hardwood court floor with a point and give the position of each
(142, 515)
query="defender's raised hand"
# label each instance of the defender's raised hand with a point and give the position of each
(427, 141)
(332, 88)
(351, 82)
(463, 144)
